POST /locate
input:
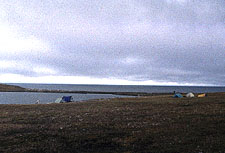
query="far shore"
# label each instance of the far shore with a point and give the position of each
(13, 88)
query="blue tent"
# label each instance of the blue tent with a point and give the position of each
(67, 98)
(177, 95)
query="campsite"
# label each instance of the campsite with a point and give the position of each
(112, 76)
(158, 123)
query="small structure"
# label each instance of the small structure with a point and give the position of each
(190, 95)
(37, 102)
(202, 95)
(67, 98)
(58, 100)
(64, 99)
(177, 95)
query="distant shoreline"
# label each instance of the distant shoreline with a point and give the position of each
(14, 88)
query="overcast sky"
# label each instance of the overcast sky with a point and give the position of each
(165, 42)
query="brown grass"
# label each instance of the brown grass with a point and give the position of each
(145, 124)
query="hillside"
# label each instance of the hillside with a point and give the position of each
(11, 88)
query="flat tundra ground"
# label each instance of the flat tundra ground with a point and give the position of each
(142, 124)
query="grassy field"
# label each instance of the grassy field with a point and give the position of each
(145, 124)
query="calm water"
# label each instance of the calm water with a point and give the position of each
(30, 98)
(124, 88)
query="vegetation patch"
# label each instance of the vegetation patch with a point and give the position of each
(142, 124)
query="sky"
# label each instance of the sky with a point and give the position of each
(142, 42)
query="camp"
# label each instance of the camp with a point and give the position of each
(190, 95)
(177, 95)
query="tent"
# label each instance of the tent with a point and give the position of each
(58, 100)
(202, 95)
(190, 95)
(177, 95)
(67, 98)
(64, 99)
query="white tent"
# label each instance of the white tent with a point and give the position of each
(59, 100)
(190, 95)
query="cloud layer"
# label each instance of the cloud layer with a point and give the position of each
(180, 41)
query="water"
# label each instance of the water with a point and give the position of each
(44, 98)
(31, 98)
(124, 88)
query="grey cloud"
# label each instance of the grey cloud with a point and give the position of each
(165, 40)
